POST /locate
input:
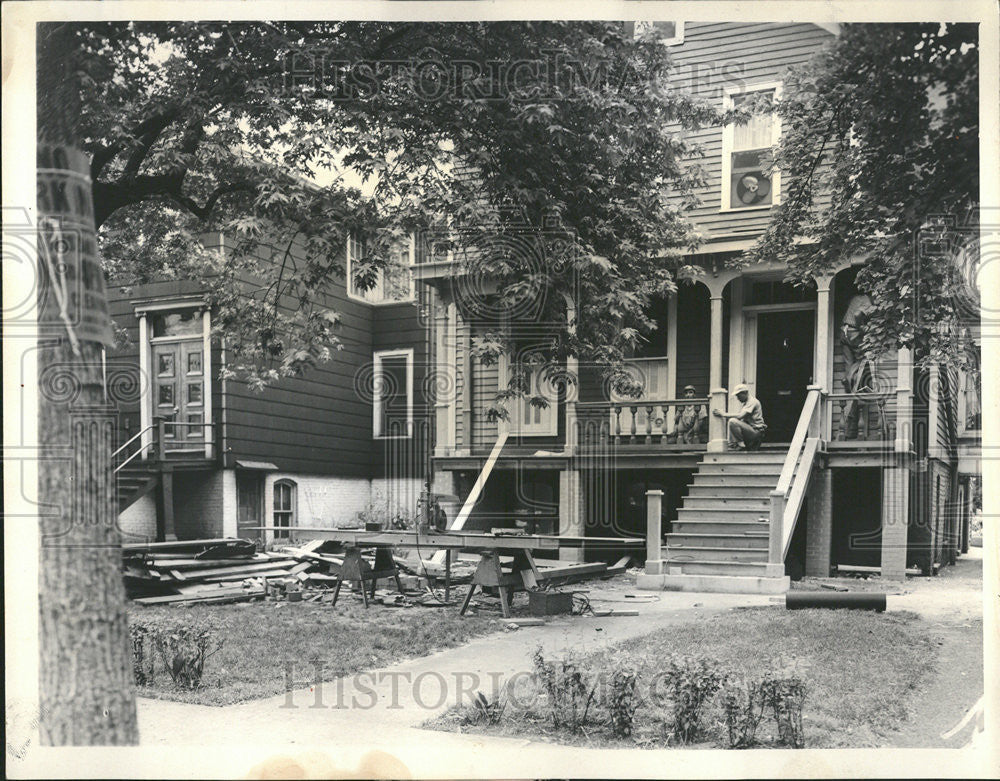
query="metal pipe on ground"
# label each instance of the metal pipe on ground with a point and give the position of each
(797, 600)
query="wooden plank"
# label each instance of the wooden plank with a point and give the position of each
(235, 596)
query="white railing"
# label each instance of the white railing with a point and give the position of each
(788, 495)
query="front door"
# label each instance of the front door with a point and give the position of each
(179, 393)
(784, 368)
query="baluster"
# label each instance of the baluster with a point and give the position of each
(649, 424)
(865, 416)
(842, 435)
(634, 408)
(618, 422)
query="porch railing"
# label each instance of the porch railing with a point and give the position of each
(796, 471)
(865, 416)
(638, 423)
(161, 440)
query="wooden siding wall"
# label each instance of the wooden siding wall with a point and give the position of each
(320, 423)
(715, 57)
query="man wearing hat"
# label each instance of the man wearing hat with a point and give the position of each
(746, 427)
(690, 419)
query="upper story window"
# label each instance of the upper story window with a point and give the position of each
(393, 284)
(393, 394)
(668, 33)
(747, 182)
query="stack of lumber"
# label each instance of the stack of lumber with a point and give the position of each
(202, 570)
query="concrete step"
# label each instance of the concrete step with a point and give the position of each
(685, 514)
(699, 491)
(688, 540)
(742, 481)
(740, 469)
(709, 502)
(738, 569)
(690, 554)
(756, 457)
(720, 527)
(718, 584)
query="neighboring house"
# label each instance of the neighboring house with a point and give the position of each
(204, 456)
(859, 466)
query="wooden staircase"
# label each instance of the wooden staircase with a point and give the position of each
(719, 541)
(134, 481)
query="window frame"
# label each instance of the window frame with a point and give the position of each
(292, 512)
(548, 426)
(377, 357)
(677, 39)
(728, 133)
(375, 296)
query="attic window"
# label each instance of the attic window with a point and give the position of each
(668, 33)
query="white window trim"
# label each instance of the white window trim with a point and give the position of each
(549, 427)
(677, 39)
(379, 288)
(293, 522)
(378, 357)
(727, 148)
(146, 365)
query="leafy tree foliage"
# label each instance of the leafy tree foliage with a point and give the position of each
(551, 148)
(881, 156)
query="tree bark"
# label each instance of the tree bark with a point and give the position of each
(86, 688)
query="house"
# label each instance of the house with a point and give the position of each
(203, 455)
(859, 467)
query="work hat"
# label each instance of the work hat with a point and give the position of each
(740, 388)
(690, 388)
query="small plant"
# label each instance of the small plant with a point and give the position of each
(568, 689)
(488, 711)
(692, 682)
(142, 656)
(786, 696)
(743, 703)
(397, 520)
(621, 699)
(183, 651)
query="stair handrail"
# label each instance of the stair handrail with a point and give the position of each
(787, 497)
(132, 439)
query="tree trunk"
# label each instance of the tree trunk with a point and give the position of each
(86, 689)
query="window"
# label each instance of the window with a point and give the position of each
(393, 284)
(747, 182)
(526, 419)
(284, 508)
(668, 33)
(393, 394)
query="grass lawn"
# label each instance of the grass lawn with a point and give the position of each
(259, 637)
(862, 672)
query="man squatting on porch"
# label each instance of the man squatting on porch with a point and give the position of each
(746, 427)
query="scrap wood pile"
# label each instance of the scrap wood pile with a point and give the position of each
(233, 570)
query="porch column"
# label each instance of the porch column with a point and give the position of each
(904, 401)
(823, 335)
(444, 387)
(145, 399)
(819, 525)
(895, 512)
(654, 532)
(716, 426)
(571, 521)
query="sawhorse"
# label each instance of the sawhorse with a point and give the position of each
(522, 577)
(356, 569)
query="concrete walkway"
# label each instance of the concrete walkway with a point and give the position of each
(382, 710)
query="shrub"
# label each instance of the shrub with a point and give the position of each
(182, 649)
(569, 691)
(621, 701)
(142, 654)
(692, 682)
(786, 696)
(488, 711)
(743, 703)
